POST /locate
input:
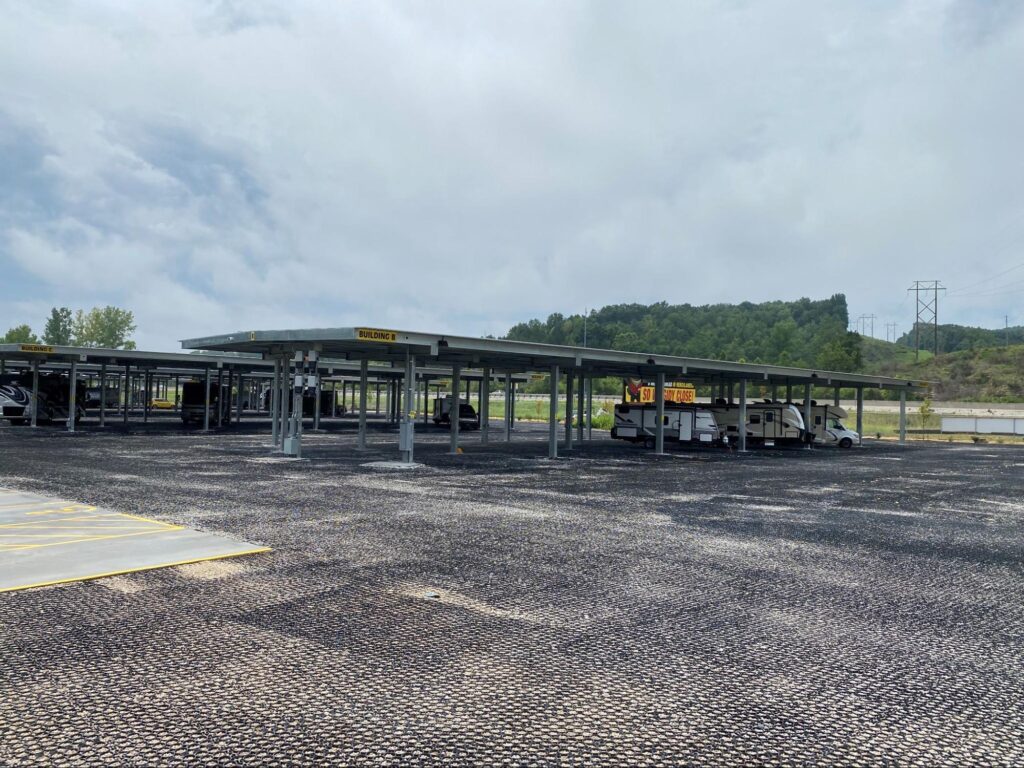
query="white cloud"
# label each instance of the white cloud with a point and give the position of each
(466, 166)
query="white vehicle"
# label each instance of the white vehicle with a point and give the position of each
(688, 424)
(828, 428)
(767, 422)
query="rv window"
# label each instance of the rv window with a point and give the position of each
(755, 419)
(769, 417)
(817, 419)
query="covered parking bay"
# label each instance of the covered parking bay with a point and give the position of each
(129, 380)
(300, 350)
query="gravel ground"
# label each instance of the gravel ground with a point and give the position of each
(497, 608)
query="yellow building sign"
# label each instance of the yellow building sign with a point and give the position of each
(376, 334)
(638, 392)
(36, 348)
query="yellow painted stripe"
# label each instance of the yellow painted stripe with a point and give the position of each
(255, 551)
(95, 538)
(103, 517)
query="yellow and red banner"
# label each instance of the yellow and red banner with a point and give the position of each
(637, 392)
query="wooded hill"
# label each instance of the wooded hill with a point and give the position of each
(985, 374)
(803, 333)
(957, 338)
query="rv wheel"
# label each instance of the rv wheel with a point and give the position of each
(648, 442)
(846, 443)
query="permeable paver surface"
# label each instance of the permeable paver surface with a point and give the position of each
(49, 541)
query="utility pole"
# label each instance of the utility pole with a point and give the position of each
(1006, 330)
(927, 311)
(585, 313)
(872, 318)
(890, 327)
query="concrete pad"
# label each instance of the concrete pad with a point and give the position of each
(46, 541)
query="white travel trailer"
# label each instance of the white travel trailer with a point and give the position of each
(767, 422)
(688, 424)
(828, 428)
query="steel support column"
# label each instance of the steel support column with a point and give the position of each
(903, 417)
(127, 393)
(364, 368)
(426, 399)
(298, 382)
(407, 430)
(509, 415)
(72, 386)
(590, 408)
(206, 404)
(35, 393)
(835, 396)
(741, 417)
(238, 400)
(659, 413)
(275, 394)
(552, 414)
(316, 397)
(103, 394)
(453, 413)
(860, 415)
(485, 406)
(808, 425)
(570, 380)
(581, 398)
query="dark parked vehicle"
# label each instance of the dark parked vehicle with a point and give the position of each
(193, 402)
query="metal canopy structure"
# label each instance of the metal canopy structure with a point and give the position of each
(124, 366)
(498, 355)
(520, 356)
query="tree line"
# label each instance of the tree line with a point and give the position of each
(802, 333)
(959, 338)
(107, 327)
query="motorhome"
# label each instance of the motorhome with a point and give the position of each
(828, 428)
(767, 422)
(442, 414)
(112, 396)
(685, 424)
(193, 402)
(17, 403)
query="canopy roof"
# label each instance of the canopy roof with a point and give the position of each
(380, 344)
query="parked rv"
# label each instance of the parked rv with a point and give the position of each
(468, 417)
(17, 404)
(684, 424)
(767, 422)
(828, 428)
(112, 395)
(193, 402)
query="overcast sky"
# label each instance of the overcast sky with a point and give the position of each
(223, 166)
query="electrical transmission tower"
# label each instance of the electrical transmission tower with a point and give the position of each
(890, 328)
(862, 325)
(926, 293)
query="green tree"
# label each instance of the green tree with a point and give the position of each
(20, 334)
(59, 326)
(107, 327)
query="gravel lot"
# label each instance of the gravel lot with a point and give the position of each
(497, 608)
